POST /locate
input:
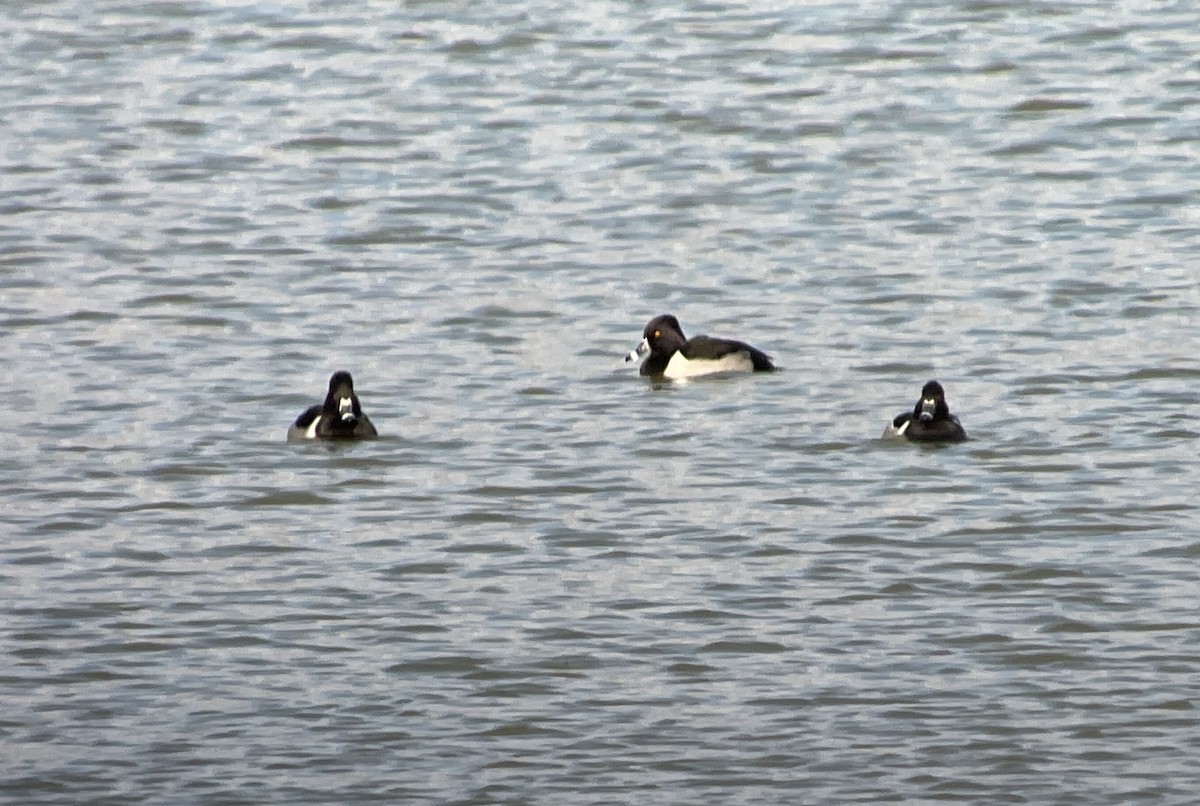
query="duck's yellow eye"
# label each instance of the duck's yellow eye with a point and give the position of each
(657, 333)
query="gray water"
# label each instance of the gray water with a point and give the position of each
(551, 581)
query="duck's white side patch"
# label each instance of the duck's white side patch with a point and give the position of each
(311, 433)
(890, 431)
(679, 367)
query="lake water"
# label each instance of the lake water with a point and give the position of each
(551, 581)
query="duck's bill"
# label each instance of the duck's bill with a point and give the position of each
(928, 407)
(639, 351)
(346, 408)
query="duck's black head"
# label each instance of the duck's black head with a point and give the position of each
(932, 405)
(661, 337)
(663, 333)
(341, 403)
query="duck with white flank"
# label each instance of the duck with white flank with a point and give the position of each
(673, 356)
(340, 417)
(929, 421)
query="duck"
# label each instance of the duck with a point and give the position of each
(929, 421)
(674, 356)
(339, 417)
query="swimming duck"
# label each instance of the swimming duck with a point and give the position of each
(929, 421)
(673, 356)
(339, 417)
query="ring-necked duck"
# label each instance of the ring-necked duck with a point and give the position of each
(340, 417)
(929, 421)
(673, 356)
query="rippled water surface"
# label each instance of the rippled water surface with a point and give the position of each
(551, 581)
